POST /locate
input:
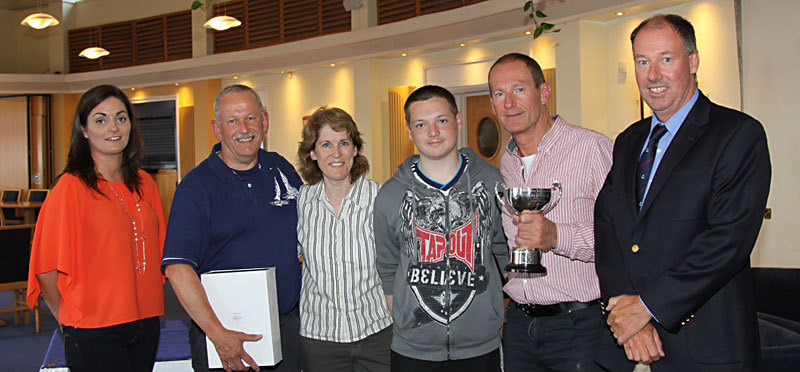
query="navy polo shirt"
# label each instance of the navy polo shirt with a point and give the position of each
(226, 219)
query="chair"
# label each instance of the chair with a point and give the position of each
(9, 214)
(37, 195)
(14, 257)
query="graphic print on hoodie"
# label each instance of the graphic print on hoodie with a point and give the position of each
(446, 232)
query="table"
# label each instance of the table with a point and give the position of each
(173, 350)
(28, 209)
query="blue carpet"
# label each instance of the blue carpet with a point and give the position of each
(23, 349)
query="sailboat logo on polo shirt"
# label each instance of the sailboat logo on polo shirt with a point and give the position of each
(288, 195)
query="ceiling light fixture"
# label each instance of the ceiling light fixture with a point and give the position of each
(93, 52)
(222, 23)
(620, 13)
(403, 54)
(462, 45)
(39, 20)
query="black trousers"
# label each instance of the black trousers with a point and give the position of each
(127, 347)
(368, 355)
(290, 344)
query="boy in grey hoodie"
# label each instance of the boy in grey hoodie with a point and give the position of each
(440, 244)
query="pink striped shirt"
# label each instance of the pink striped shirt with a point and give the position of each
(579, 159)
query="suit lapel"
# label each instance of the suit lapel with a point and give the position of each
(693, 127)
(641, 131)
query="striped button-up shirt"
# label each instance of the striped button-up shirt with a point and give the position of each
(341, 299)
(579, 159)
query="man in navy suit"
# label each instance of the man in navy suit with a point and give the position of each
(677, 218)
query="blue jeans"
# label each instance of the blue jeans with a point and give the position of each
(562, 342)
(126, 347)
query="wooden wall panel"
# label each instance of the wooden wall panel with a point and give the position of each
(14, 142)
(397, 10)
(400, 146)
(186, 140)
(40, 144)
(167, 182)
(550, 77)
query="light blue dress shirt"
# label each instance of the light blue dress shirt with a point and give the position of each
(673, 124)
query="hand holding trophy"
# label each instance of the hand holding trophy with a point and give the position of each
(519, 199)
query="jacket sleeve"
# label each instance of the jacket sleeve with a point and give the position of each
(387, 248)
(609, 263)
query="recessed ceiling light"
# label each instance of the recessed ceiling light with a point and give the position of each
(176, 84)
(333, 65)
(527, 32)
(620, 13)
(133, 88)
(235, 77)
(404, 54)
(462, 44)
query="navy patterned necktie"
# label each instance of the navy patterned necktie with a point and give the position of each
(646, 163)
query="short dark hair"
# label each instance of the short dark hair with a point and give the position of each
(427, 92)
(339, 121)
(683, 27)
(533, 67)
(79, 159)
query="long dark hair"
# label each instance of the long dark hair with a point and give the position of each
(79, 160)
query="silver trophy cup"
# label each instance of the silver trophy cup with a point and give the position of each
(517, 200)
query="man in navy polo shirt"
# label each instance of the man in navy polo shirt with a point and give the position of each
(236, 210)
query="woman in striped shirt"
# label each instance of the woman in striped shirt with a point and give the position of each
(344, 319)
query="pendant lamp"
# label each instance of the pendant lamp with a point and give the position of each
(39, 20)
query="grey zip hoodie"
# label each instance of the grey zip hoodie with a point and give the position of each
(438, 255)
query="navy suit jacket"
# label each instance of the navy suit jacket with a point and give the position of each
(687, 252)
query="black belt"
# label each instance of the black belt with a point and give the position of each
(550, 310)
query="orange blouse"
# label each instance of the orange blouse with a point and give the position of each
(88, 238)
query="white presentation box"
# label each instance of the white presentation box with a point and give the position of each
(246, 301)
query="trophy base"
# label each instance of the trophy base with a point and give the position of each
(526, 268)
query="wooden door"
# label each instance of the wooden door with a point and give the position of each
(484, 133)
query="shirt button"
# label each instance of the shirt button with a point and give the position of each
(635, 248)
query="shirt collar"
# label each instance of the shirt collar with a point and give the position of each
(356, 195)
(223, 171)
(547, 142)
(674, 123)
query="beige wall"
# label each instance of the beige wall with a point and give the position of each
(596, 87)
(8, 40)
(718, 74)
(25, 50)
(292, 98)
(771, 41)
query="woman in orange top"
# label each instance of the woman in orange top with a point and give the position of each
(98, 242)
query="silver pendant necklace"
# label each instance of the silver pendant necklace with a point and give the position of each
(138, 233)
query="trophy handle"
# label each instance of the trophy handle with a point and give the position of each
(552, 204)
(501, 197)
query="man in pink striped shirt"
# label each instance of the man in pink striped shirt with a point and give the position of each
(553, 320)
